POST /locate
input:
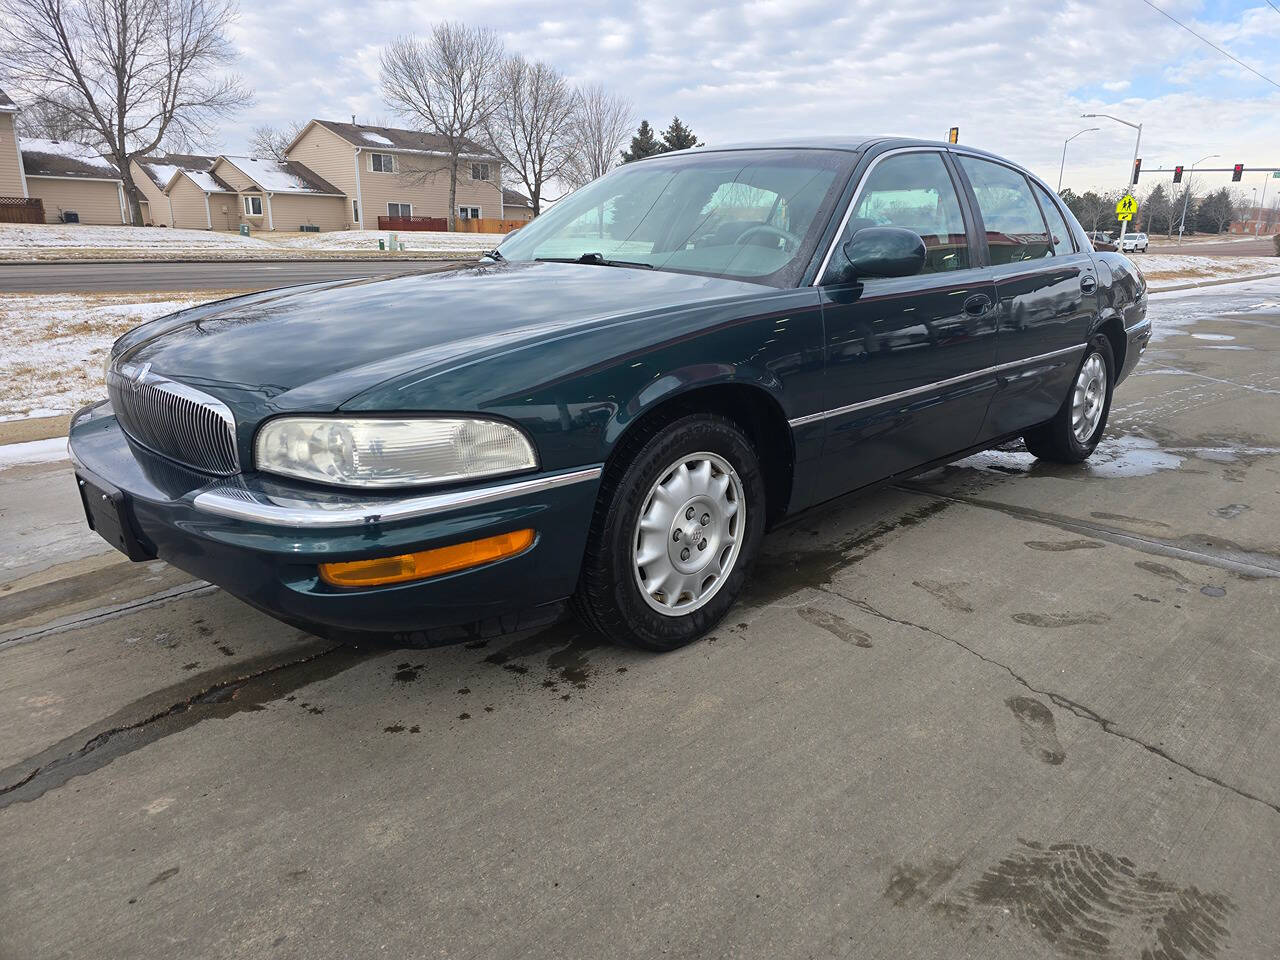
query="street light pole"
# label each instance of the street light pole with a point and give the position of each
(1186, 193)
(1137, 145)
(1064, 153)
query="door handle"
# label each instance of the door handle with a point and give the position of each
(1088, 283)
(977, 305)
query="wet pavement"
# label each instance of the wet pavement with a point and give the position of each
(1005, 709)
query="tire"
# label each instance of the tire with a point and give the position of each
(1058, 440)
(660, 473)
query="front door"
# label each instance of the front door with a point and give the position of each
(1047, 293)
(909, 359)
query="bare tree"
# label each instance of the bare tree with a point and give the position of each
(447, 84)
(51, 120)
(133, 73)
(531, 131)
(602, 123)
(269, 141)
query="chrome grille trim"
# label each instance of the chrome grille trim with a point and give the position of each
(173, 419)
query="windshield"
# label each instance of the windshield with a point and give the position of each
(751, 214)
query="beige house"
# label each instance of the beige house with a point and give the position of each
(393, 173)
(516, 206)
(13, 183)
(152, 175)
(73, 182)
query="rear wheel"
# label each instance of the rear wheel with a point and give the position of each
(676, 529)
(1075, 430)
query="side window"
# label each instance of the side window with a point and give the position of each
(914, 190)
(1059, 232)
(1015, 229)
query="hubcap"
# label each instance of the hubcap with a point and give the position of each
(1088, 397)
(689, 533)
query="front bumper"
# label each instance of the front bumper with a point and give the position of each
(262, 539)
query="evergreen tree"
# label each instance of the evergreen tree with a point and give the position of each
(643, 144)
(678, 137)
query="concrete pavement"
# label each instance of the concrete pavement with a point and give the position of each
(224, 275)
(1004, 710)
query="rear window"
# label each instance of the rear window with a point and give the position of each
(1015, 229)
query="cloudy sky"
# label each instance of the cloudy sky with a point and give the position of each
(1014, 75)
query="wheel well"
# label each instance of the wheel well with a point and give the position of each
(756, 413)
(1115, 333)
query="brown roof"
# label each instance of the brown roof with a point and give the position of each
(282, 176)
(161, 169)
(395, 138)
(514, 198)
(64, 158)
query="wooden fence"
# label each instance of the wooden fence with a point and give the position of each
(440, 224)
(21, 210)
(409, 224)
(487, 225)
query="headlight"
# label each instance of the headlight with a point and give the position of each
(391, 453)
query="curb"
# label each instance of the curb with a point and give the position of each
(1212, 283)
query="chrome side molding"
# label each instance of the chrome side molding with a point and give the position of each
(257, 506)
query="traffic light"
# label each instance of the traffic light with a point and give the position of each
(953, 135)
(1177, 174)
(1237, 172)
(1137, 169)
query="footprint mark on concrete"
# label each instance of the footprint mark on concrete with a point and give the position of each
(1039, 732)
(946, 593)
(836, 625)
(1055, 620)
(1165, 572)
(1061, 546)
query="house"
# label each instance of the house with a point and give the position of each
(73, 180)
(12, 181)
(516, 206)
(391, 172)
(152, 176)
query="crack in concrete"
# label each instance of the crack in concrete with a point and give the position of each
(244, 691)
(106, 613)
(1060, 700)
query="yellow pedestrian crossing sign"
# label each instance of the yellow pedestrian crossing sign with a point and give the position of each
(1127, 207)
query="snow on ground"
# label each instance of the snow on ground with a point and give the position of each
(414, 240)
(33, 451)
(55, 345)
(1162, 269)
(78, 241)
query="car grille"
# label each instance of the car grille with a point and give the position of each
(173, 419)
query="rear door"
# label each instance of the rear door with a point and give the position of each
(908, 358)
(1046, 291)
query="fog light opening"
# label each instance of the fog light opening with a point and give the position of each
(426, 563)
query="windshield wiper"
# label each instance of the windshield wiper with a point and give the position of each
(595, 260)
(494, 255)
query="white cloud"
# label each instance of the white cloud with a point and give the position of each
(1014, 77)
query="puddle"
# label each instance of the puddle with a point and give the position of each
(1125, 456)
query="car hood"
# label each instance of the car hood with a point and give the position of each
(315, 347)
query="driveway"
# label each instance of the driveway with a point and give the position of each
(227, 275)
(1003, 710)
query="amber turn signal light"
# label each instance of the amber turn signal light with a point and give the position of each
(425, 563)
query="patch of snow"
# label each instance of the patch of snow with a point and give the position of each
(1171, 268)
(17, 238)
(33, 451)
(165, 171)
(206, 181)
(273, 176)
(377, 138)
(414, 240)
(81, 153)
(56, 345)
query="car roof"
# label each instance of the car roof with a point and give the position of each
(851, 143)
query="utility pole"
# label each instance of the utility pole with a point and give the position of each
(1137, 145)
(1258, 220)
(1064, 153)
(1186, 194)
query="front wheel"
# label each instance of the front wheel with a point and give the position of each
(1075, 430)
(675, 531)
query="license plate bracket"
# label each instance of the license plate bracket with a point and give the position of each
(108, 515)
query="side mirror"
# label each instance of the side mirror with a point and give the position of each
(884, 252)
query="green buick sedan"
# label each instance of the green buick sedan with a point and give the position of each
(612, 408)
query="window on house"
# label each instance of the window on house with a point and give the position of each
(382, 163)
(480, 171)
(355, 211)
(399, 209)
(253, 206)
(469, 213)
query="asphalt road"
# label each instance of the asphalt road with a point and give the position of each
(227, 275)
(1005, 710)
